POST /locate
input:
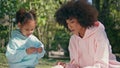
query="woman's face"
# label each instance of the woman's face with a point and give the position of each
(73, 25)
(28, 28)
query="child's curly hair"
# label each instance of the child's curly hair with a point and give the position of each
(84, 12)
(23, 16)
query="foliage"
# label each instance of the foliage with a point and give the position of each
(2, 50)
(46, 26)
(8, 8)
(3, 31)
(62, 41)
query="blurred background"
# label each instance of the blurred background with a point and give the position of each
(55, 37)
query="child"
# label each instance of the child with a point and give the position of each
(24, 50)
(89, 46)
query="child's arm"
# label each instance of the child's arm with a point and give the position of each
(41, 51)
(13, 54)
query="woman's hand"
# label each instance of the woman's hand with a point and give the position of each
(61, 63)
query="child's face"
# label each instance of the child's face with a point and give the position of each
(28, 28)
(73, 25)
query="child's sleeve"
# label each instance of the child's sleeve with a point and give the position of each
(101, 57)
(40, 55)
(13, 54)
(40, 44)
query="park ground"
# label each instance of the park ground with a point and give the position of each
(43, 63)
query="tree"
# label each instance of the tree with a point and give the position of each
(6, 9)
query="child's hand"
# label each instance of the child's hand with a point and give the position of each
(31, 50)
(39, 50)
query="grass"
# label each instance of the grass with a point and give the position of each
(43, 63)
(48, 63)
(3, 61)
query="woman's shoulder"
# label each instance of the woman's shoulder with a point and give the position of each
(98, 27)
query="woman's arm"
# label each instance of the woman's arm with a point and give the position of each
(101, 57)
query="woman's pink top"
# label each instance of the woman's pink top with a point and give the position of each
(93, 50)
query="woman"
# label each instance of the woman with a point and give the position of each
(89, 46)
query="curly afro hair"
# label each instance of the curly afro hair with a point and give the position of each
(85, 13)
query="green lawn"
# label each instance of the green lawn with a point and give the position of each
(43, 63)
